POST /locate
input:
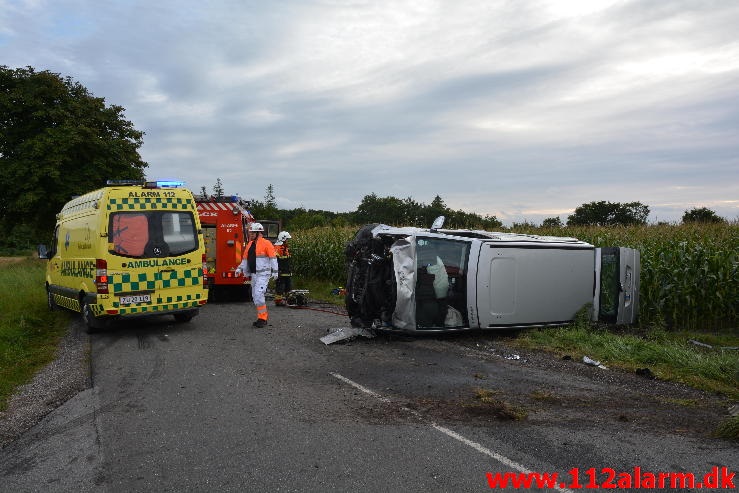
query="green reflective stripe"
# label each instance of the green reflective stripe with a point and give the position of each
(123, 283)
(133, 203)
(158, 308)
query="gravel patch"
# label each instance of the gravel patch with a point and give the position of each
(56, 383)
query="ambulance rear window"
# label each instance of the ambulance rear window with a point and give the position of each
(152, 234)
(129, 234)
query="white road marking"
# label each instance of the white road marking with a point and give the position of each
(495, 455)
(363, 389)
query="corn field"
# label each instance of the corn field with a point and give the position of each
(689, 273)
(319, 253)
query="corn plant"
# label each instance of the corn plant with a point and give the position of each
(319, 253)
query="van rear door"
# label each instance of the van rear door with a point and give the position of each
(160, 258)
(616, 296)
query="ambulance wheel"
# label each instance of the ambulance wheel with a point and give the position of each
(50, 301)
(184, 316)
(91, 322)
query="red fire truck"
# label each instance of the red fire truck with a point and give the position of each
(225, 221)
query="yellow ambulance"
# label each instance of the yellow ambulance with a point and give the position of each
(128, 250)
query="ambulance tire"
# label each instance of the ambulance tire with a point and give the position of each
(91, 322)
(184, 317)
(50, 301)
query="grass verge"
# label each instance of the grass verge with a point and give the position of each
(319, 290)
(29, 332)
(669, 356)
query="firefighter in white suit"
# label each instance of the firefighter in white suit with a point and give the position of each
(260, 262)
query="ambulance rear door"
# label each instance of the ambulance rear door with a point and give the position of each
(158, 260)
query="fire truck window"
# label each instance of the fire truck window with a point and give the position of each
(129, 234)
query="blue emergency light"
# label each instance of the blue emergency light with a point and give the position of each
(164, 184)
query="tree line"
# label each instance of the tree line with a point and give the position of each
(409, 212)
(56, 138)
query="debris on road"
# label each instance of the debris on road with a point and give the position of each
(592, 362)
(703, 344)
(347, 333)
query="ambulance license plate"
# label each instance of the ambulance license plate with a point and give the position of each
(139, 298)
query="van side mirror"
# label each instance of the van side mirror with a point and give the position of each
(43, 253)
(438, 223)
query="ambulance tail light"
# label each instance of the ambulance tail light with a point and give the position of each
(205, 272)
(101, 276)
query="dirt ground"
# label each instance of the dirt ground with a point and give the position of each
(537, 387)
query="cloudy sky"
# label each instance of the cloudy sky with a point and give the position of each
(523, 109)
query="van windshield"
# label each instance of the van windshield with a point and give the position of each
(151, 234)
(441, 282)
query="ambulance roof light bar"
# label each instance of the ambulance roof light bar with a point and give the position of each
(147, 184)
(114, 183)
(164, 184)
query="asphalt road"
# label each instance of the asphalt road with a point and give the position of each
(217, 405)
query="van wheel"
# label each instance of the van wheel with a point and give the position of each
(91, 322)
(184, 316)
(50, 301)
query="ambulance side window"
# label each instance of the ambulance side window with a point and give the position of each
(54, 244)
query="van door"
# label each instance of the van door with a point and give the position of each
(160, 260)
(616, 296)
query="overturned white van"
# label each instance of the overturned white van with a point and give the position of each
(432, 280)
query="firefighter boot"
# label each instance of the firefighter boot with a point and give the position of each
(260, 323)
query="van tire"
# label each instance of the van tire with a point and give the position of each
(184, 317)
(50, 301)
(91, 322)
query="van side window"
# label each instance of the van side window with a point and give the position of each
(54, 244)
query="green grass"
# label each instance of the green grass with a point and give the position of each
(670, 356)
(29, 332)
(319, 290)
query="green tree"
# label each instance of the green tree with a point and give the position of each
(435, 209)
(218, 188)
(269, 197)
(552, 222)
(702, 215)
(604, 213)
(270, 203)
(308, 220)
(56, 141)
(386, 210)
(408, 212)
